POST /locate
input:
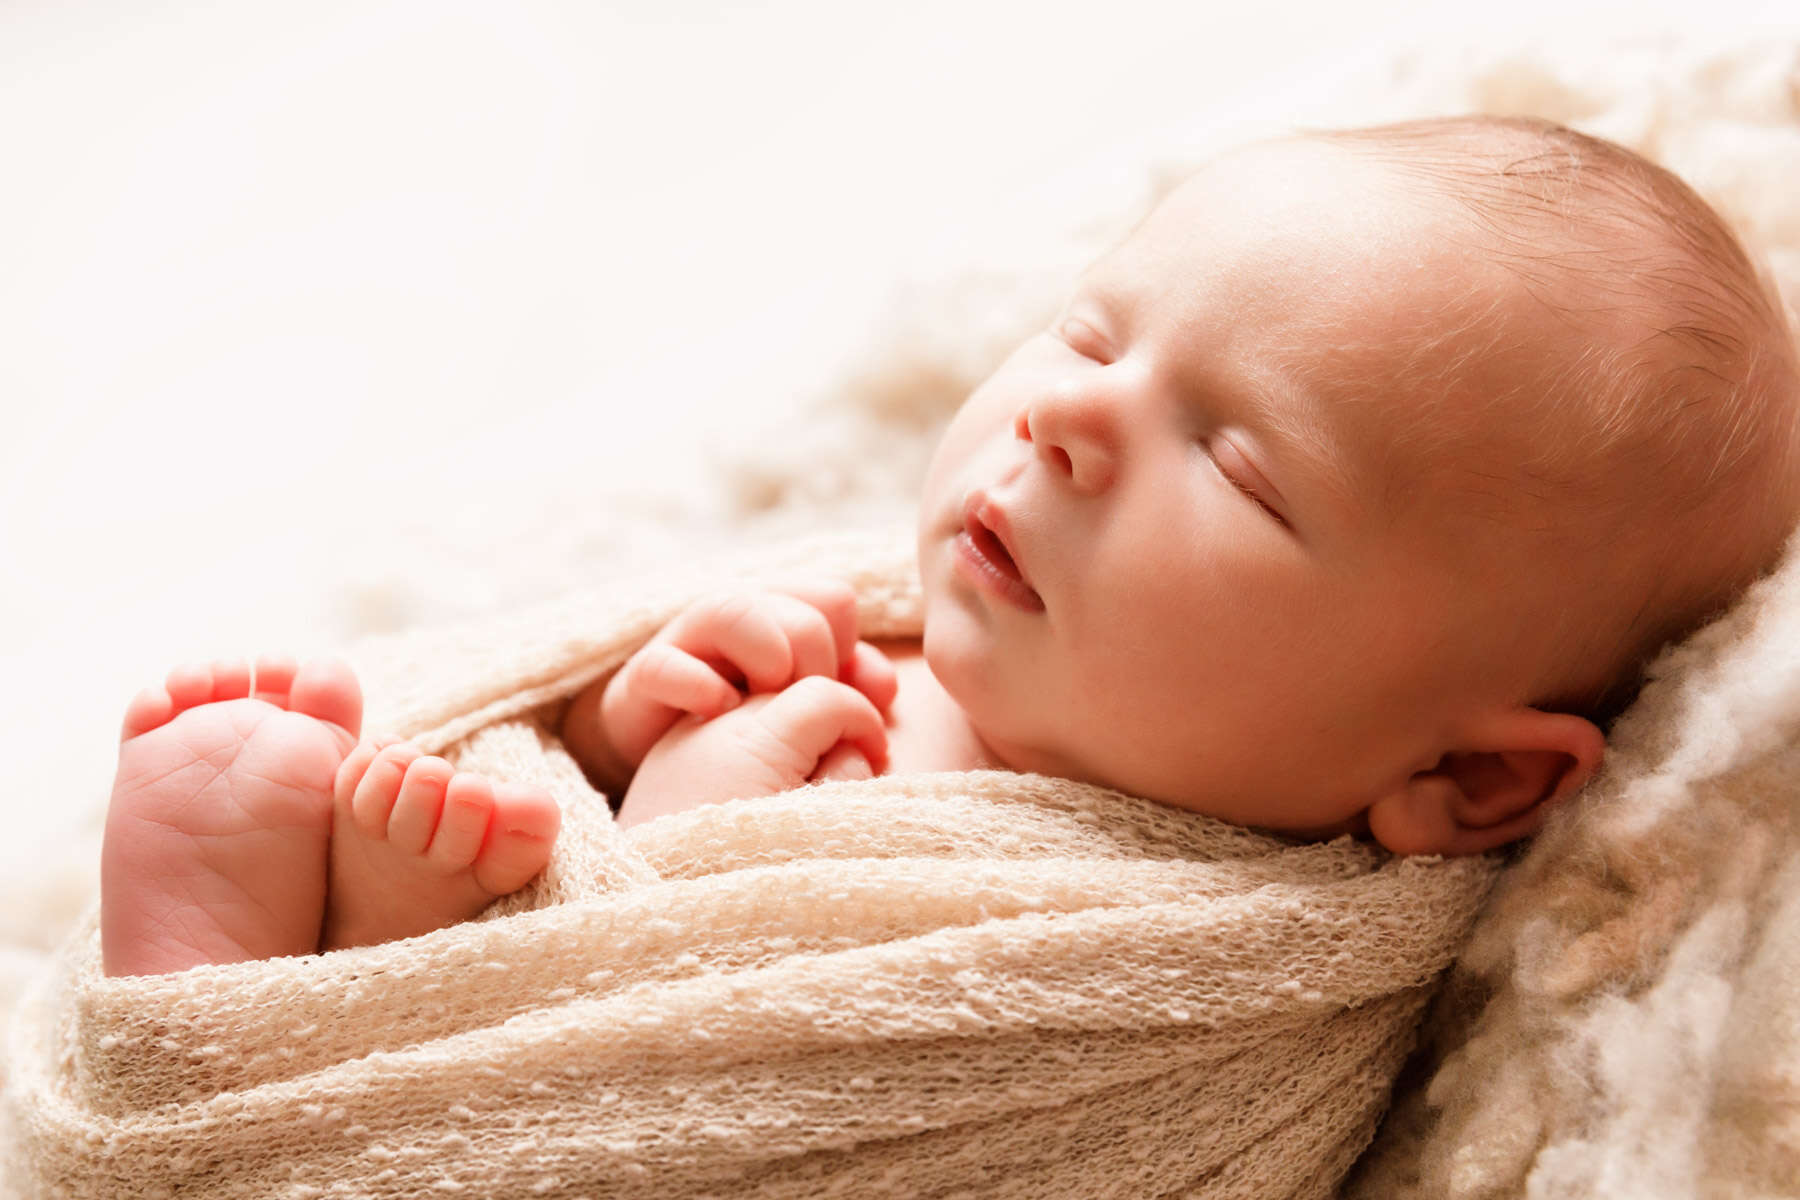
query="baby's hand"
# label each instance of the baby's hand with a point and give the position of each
(816, 728)
(703, 662)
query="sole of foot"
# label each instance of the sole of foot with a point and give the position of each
(218, 830)
(417, 845)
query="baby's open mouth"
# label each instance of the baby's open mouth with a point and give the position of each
(993, 549)
(985, 552)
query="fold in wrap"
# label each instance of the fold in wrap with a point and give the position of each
(952, 984)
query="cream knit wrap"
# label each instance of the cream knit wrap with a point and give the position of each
(960, 984)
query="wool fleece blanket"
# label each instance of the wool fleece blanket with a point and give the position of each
(959, 984)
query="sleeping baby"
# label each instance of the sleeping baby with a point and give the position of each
(1350, 494)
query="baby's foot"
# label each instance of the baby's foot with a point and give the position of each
(417, 845)
(221, 812)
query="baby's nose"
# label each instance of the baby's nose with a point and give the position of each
(1076, 431)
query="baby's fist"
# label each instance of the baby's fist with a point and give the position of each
(816, 728)
(718, 650)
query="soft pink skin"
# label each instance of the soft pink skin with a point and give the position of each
(243, 825)
(1226, 626)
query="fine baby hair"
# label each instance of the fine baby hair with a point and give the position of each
(1665, 456)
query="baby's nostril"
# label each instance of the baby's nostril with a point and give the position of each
(1061, 458)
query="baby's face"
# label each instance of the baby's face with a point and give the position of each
(1167, 547)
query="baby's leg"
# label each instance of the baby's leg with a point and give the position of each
(417, 845)
(217, 832)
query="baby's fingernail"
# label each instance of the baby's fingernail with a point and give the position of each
(732, 701)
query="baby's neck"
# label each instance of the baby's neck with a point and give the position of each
(927, 730)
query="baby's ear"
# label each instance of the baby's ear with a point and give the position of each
(1494, 788)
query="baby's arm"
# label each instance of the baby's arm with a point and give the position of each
(704, 662)
(816, 728)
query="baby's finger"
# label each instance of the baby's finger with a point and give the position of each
(836, 602)
(872, 674)
(816, 713)
(668, 675)
(843, 761)
(812, 644)
(654, 687)
(736, 633)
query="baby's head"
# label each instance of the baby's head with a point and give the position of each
(1354, 489)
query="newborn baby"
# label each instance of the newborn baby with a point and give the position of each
(1349, 494)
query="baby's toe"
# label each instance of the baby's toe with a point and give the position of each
(524, 828)
(231, 680)
(351, 771)
(273, 679)
(415, 815)
(189, 686)
(373, 802)
(149, 709)
(463, 824)
(326, 690)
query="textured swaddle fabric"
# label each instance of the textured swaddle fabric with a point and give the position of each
(953, 984)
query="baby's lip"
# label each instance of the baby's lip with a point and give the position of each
(990, 528)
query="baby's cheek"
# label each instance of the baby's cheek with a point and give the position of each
(959, 656)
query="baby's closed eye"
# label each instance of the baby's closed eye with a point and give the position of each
(1230, 462)
(1081, 337)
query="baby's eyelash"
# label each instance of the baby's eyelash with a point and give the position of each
(1250, 495)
